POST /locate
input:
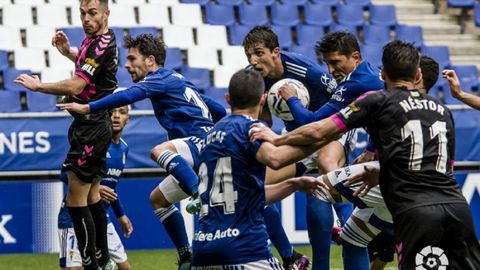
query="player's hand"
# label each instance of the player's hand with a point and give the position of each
(126, 225)
(107, 194)
(453, 82)
(366, 156)
(74, 107)
(310, 185)
(61, 42)
(369, 179)
(259, 131)
(30, 82)
(287, 91)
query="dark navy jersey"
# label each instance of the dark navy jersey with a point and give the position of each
(116, 157)
(231, 227)
(415, 137)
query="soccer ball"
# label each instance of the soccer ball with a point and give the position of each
(278, 106)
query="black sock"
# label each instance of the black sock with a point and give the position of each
(85, 233)
(100, 219)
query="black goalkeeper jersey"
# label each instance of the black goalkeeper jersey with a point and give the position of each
(415, 137)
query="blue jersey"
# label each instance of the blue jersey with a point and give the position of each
(232, 189)
(364, 78)
(178, 106)
(319, 82)
(116, 157)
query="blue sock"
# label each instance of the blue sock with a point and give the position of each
(276, 233)
(319, 226)
(344, 211)
(177, 166)
(174, 224)
(354, 257)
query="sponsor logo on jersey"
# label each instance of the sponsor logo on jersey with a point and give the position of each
(203, 236)
(114, 172)
(88, 68)
(345, 112)
(91, 62)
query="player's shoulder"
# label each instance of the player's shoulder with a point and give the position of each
(295, 62)
(123, 144)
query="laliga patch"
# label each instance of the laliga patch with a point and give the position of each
(414, 94)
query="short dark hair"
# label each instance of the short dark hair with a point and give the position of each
(430, 71)
(263, 35)
(147, 44)
(400, 61)
(102, 2)
(344, 43)
(246, 87)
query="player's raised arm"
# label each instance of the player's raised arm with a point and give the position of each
(454, 84)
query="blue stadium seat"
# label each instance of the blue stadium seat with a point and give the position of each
(39, 102)
(410, 33)
(372, 54)
(309, 34)
(123, 77)
(217, 94)
(237, 33)
(135, 31)
(262, 2)
(201, 2)
(9, 75)
(200, 77)
(285, 15)
(219, 14)
(331, 3)
(10, 102)
(144, 104)
(466, 73)
(284, 34)
(318, 14)
(441, 54)
(122, 56)
(364, 3)
(119, 34)
(75, 35)
(294, 2)
(436, 88)
(477, 14)
(376, 34)
(468, 4)
(344, 28)
(3, 60)
(350, 15)
(307, 50)
(230, 2)
(383, 15)
(174, 58)
(253, 15)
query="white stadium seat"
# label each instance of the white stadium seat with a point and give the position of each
(122, 16)
(39, 36)
(202, 57)
(13, 41)
(29, 2)
(178, 36)
(164, 2)
(46, 13)
(63, 2)
(153, 15)
(17, 15)
(30, 58)
(129, 2)
(234, 56)
(58, 61)
(212, 36)
(187, 14)
(222, 75)
(55, 74)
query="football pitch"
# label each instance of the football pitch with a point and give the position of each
(144, 260)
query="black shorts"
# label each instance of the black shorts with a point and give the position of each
(381, 247)
(437, 235)
(89, 143)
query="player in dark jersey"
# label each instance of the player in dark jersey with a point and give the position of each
(89, 135)
(414, 135)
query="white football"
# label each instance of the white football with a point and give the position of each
(278, 106)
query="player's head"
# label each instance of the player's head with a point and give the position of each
(262, 50)
(94, 16)
(246, 90)
(145, 53)
(401, 62)
(430, 71)
(341, 52)
(119, 119)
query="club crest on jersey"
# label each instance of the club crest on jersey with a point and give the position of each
(338, 95)
(354, 107)
(330, 83)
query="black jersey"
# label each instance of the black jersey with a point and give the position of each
(96, 63)
(415, 137)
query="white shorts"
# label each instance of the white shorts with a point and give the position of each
(268, 264)
(70, 255)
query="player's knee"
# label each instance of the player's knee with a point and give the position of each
(157, 150)
(157, 199)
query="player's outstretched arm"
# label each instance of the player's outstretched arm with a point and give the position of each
(454, 84)
(305, 184)
(71, 86)
(61, 42)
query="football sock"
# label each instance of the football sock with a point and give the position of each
(99, 216)
(174, 224)
(276, 233)
(354, 257)
(344, 211)
(85, 233)
(177, 166)
(319, 226)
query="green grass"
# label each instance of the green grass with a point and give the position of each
(144, 260)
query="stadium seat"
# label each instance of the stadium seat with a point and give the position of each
(294, 2)
(29, 58)
(222, 75)
(372, 54)
(309, 34)
(122, 16)
(202, 57)
(135, 31)
(284, 34)
(436, 89)
(17, 15)
(55, 74)
(285, 15)
(39, 37)
(350, 15)
(364, 3)
(119, 34)
(237, 33)
(230, 2)
(178, 36)
(186, 15)
(467, 4)
(466, 73)
(123, 77)
(4, 60)
(477, 14)
(29, 2)
(200, 77)
(153, 15)
(144, 104)
(253, 14)
(9, 76)
(75, 35)
(13, 41)
(410, 34)
(200, 2)
(234, 56)
(165, 2)
(383, 15)
(10, 102)
(214, 36)
(39, 102)
(449, 99)
(63, 2)
(318, 14)
(261, 2)
(344, 28)
(307, 50)
(219, 14)
(45, 13)
(58, 61)
(376, 34)
(122, 56)
(217, 94)
(331, 3)
(130, 2)
(441, 54)
(174, 58)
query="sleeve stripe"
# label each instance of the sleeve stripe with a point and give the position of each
(83, 76)
(339, 122)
